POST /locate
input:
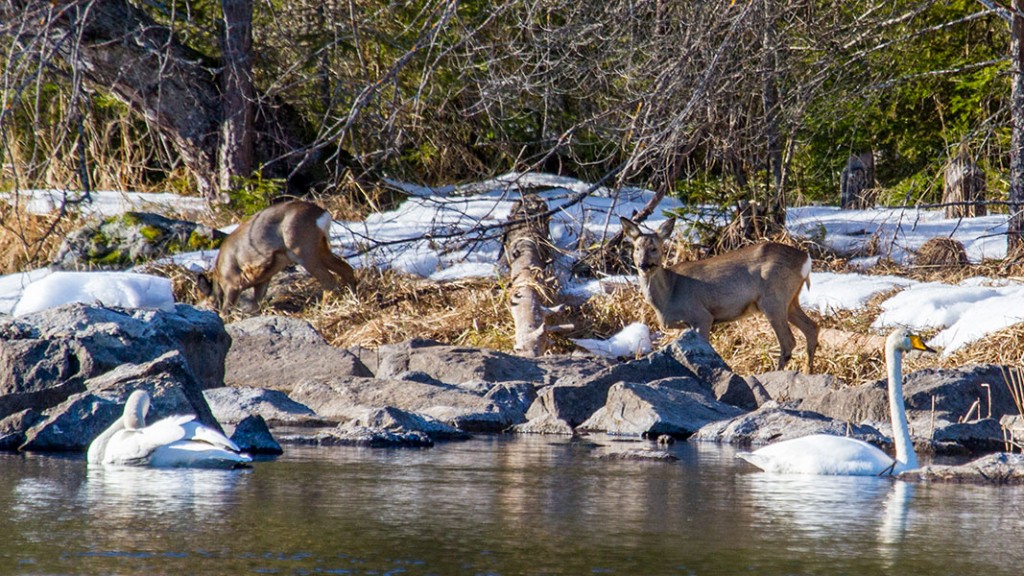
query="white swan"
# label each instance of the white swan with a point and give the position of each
(838, 455)
(176, 441)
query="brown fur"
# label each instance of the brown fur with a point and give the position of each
(267, 243)
(766, 277)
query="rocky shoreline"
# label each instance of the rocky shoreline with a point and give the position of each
(273, 380)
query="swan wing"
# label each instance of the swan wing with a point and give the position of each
(199, 433)
(193, 454)
(820, 454)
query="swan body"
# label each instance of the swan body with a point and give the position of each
(825, 454)
(176, 441)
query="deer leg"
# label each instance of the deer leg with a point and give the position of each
(341, 268)
(229, 299)
(259, 292)
(777, 317)
(803, 322)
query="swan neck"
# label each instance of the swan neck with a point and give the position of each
(906, 459)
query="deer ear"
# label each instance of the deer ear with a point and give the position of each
(203, 284)
(629, 229)
(665, 230)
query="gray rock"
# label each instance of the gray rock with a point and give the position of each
(640, 455)
(954, 391)
(344, 399)
(697, 355)
(400, 421)
(677, 407)
(276, 352)
(232, 405)
(253, 436)
(73, 424)
(12, 428)
(981, 436)
(545, 424)
(1000, 468)
(772, 423)
(456, 365)
(46, 356)
(573, 399)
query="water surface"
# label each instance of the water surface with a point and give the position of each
(496, 506)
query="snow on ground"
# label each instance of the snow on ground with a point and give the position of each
(454, 232)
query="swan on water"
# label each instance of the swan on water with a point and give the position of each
(176, 441)
(839, 455)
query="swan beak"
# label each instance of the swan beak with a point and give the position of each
(918, 344)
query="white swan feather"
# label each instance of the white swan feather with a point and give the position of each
(176, 441)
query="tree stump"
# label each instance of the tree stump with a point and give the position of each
(527, 248)
(857, 184)
(964, 182)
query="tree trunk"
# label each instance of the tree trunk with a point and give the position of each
(124, 52)
(235, 154)
(776, 204)
(526, 248)
(1014, 242)
(963, 182)
(856, 185)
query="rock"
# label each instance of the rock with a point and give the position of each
(12, 428)
(639, 455)
(276, 352)
(73, 424)
(344, 399)
(545, 424)
(574, 399)
(772, 423)
(697, 355)
(46, 356)
(233, 405)
(954, 391)
(456, 365)
(1000, 468)
(117, 242)
(253, 436)
(981, 436)
(676, 406)
(400, 421)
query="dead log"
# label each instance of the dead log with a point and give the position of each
(963, 186)
(527, 248)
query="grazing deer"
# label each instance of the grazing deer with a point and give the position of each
(767, 277)
(293, 232)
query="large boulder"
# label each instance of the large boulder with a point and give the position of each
(346, 399)
(456, 365)
(45, 357)
(74, 423)
(1000, 468)
(773, 423)
(676, 407)
(937, 402)
(233, 405)
(276, 352)
(573, 399)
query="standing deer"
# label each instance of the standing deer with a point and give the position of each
(293, 232)
(767, 277)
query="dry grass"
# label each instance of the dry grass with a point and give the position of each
(389, 308)
(28, 240)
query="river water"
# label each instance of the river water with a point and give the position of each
(496, 506)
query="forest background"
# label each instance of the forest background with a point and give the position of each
(764, 103)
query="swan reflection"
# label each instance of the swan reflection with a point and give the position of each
(129, 492)
(835, 508)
